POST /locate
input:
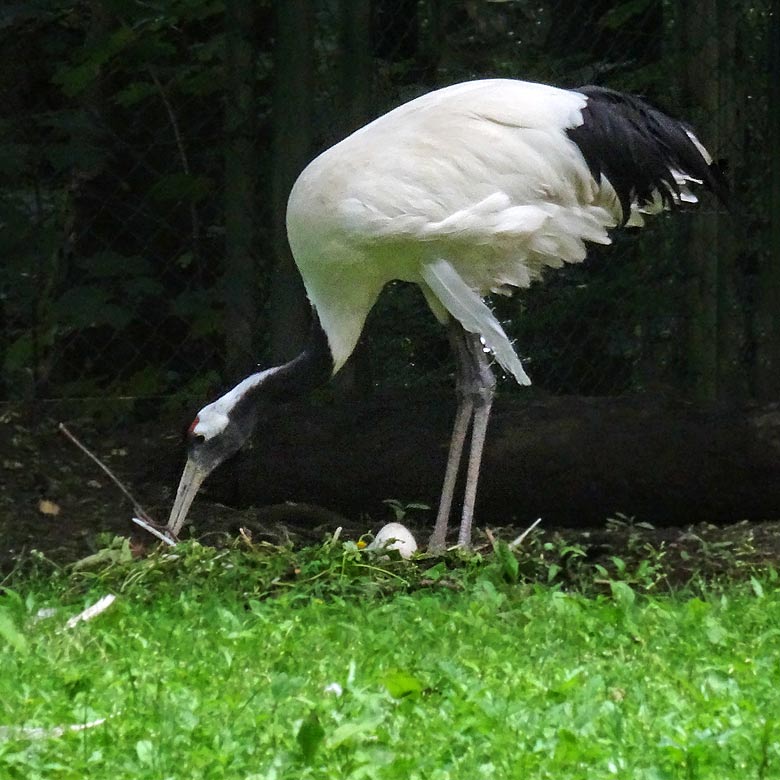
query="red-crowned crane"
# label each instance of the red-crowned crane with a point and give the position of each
(471, 189)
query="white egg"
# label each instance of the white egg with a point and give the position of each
(395, 536)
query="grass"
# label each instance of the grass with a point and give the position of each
(321, 663)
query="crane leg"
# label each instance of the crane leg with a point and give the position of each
(475, 389)
(462, 420)
(483, 391)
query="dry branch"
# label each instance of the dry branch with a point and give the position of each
(144, 520)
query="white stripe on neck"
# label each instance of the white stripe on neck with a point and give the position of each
(214, 418)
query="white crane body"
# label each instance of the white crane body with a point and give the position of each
(473, 189)
(478, 180)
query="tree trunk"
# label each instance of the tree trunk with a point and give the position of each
(356, 67)
(701, 89)
(293, 100)
(767, 317)
(240, 281)
(733, 378)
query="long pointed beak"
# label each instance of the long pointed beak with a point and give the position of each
(191, 479)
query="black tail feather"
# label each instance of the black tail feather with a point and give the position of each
(637, 148)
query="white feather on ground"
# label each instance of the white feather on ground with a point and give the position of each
(8, 733)
(101, 605)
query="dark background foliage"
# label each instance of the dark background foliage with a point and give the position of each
(147, 149)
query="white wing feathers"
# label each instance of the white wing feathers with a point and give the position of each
(473, 313)
(489, 237)
(492, 245)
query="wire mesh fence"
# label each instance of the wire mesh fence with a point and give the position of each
(146, 153)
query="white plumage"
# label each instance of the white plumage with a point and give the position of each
(479, 177)
(469, 190)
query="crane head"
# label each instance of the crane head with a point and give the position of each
(220, 429)
(214, 435)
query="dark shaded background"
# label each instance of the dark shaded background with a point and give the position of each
(146, 153)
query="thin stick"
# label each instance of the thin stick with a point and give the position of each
(137, 508)
(517, 542)
(161, 535)
(183, 158)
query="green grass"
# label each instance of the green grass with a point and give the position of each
(321, 664)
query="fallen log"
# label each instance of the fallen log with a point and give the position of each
(573, 461)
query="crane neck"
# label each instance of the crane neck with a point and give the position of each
(304, 373)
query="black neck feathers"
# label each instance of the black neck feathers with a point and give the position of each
(304, 373)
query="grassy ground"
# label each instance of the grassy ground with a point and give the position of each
(322, 663)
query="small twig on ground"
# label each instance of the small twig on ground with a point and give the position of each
(449, 584)
(163, 535)
(137, 508)
(517, 542)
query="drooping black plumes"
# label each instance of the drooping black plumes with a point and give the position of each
(638, 148)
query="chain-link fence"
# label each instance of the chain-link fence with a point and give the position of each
(146, 153)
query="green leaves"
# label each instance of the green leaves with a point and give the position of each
(623, 594)
(144, 749)
(224, 663)
(88, 306)
(117, 551)
(79, 76)
(104, 151)
(310, 736)
(10, 633)
(400, 683)
(624, 13)
(506, 559)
